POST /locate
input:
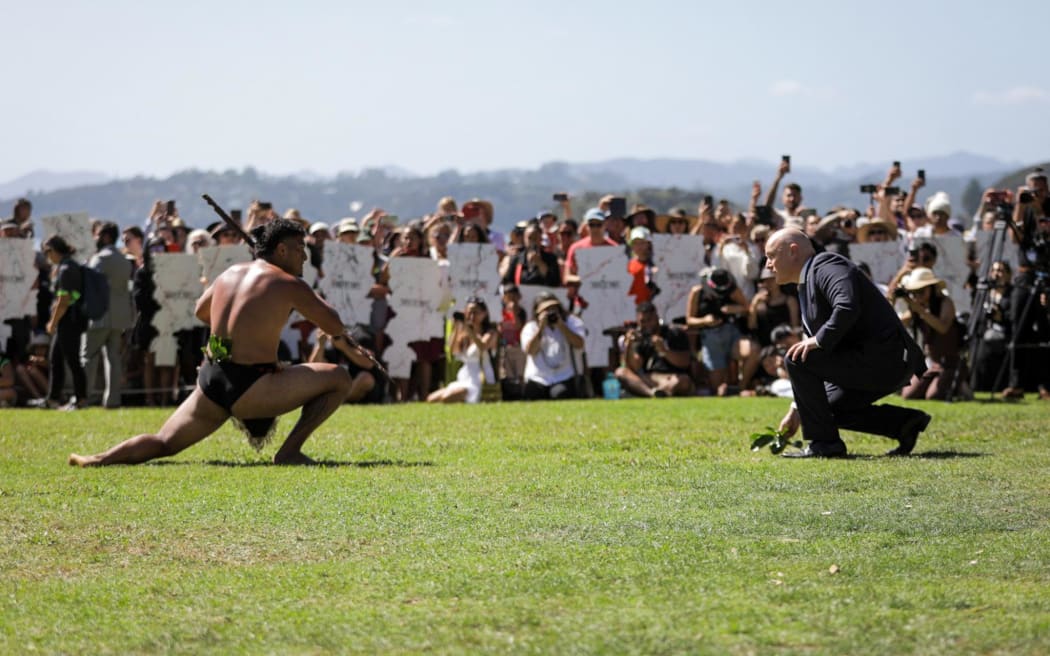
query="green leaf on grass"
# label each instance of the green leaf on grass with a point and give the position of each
(760, 440)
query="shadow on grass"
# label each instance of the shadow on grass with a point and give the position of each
(364, 464)
(924, 455)
(945, 455)
(919, 455)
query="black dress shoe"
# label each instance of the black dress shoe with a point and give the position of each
(909, 434)
(819, 450)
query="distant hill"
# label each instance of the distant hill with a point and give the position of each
(1015, 179)
(516, 193)
(44, 181)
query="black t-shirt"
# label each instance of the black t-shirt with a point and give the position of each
(69, 279)
(675, 340)
(533, 276)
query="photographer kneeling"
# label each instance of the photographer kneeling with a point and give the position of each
(932, 312)
(549, 341)
(656, 357)
(472, 341)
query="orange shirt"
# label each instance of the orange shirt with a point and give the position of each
(639, 290)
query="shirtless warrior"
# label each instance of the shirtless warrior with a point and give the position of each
(246, 308)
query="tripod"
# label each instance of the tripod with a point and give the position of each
(975, 326)
(1038, 286)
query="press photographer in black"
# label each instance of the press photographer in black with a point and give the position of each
(997, 327)
(1031, 217)
(656, 357)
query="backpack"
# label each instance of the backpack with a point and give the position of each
(95, 293)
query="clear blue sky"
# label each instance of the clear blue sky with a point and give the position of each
(127, 87)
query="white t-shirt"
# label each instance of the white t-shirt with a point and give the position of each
(552, 363)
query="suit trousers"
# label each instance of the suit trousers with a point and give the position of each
(837, 389)
(106, 342)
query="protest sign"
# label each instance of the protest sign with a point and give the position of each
(416, 292)
(677, 259)
(604, 283)
(75, 228)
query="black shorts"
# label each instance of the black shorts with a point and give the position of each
(226, 382)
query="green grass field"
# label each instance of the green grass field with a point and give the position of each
(573, 527)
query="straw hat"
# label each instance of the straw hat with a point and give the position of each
(890, 227)
(919, 278)
(547, 304)
(640, 209)
(660, 223)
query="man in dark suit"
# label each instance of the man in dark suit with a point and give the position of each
(856, 351)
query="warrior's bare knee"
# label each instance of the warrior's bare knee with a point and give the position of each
(341, 380)
(163, 447)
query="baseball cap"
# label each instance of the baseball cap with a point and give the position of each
(595, 214)
(639, 232)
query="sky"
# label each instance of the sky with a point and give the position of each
(132, 87)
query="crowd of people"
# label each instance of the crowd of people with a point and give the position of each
(732, 340)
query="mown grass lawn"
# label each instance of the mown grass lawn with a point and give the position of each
(573, 527)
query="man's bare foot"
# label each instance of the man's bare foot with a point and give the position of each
(82, 461)
(293, 459)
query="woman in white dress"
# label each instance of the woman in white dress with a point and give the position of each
(473, 338)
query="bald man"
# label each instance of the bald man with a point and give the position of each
(856, 351)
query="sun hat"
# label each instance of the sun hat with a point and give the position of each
(642, 209)
(662, 222)
(319, 226)
(868, 226)
(546, 304)
(918, 278)
(349, 224)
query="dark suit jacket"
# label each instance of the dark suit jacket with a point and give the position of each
(847, 311)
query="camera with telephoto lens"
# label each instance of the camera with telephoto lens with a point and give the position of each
(900, 292)
(552, 317)
(1025, 197)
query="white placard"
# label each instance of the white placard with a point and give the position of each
(347, 281)
(310, 277)
(17, 275)
(416, 292)
(678, 259)
(951, 267)
(604, 285)
(75, 229)
(176, 277)
(474, 271)
(882, 257)
(741, 261)
(216, 259)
